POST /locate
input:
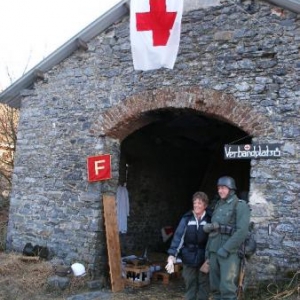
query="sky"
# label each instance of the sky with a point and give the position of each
(30, 30)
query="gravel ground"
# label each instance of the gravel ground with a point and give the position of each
(156, 290)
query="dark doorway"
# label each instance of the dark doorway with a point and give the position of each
(166, 162)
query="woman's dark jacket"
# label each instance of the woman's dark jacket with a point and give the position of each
(189, 240)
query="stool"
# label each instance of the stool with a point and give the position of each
(166, 276)
(177, 270)
(161, 274)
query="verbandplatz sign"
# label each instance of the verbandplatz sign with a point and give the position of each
(252, 151)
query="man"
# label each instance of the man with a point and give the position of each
(189, 242)
(227, 231)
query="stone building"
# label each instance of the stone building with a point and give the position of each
(235, 81)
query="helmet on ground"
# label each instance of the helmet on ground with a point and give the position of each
(227, 181)
(78, 269)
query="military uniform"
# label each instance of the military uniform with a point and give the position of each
(233, 217)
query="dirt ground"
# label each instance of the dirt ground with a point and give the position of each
(23, 280)
(20, 280)
(156, 290)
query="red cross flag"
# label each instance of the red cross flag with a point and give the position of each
(155, 27)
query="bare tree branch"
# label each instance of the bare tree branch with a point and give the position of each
(9, 118)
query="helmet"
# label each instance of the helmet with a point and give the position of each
(78, 269)
(227, 181)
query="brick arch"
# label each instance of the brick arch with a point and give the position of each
(128, 116)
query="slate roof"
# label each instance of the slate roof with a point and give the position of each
(11, 95)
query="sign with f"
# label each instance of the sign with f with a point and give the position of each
(99, 167)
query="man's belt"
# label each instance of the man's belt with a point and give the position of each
(226, 229)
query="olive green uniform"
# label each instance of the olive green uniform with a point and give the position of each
(224, 271)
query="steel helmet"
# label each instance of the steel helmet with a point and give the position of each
(227, 181)
(78, 269)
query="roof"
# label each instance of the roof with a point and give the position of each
(293, 5)
(12, 96)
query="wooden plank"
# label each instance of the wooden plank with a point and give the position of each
(113, 243)
(29, 258)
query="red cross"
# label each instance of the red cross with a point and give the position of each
(158, 20)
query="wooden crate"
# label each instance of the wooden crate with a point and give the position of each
(134, 283)
(137, 276)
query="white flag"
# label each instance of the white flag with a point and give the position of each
(155, 27)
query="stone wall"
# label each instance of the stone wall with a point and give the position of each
(236, 63)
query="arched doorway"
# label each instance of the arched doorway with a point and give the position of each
(172, 142)
(166, 162)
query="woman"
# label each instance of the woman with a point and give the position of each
(189, 243)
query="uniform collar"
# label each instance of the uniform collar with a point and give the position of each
(230, 198)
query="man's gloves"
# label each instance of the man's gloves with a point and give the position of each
(223, 253)
(170, 265)
(209, 227)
